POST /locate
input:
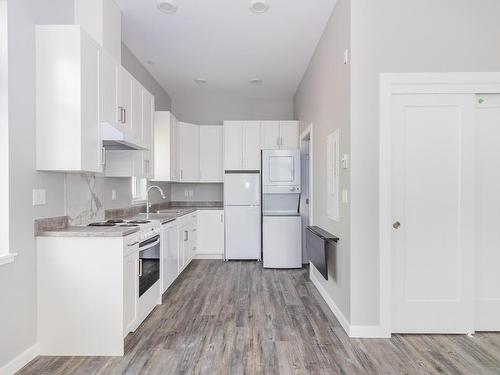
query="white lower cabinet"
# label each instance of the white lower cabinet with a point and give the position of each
(186, 237)
(170, 254)
(130, 291)
(210, 235)
(87, 290)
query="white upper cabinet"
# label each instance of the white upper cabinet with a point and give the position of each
(67, 108)
(147, 119)
(124, 98)
(289, 135)
(233, 145)
(189, 152)
(270, 135)
(211, 154)
(109, 92)
(251, 145)
(278, 135)
(102, 20)
(136, 111)
(242, 145)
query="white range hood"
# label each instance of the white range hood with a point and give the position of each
(114, 139)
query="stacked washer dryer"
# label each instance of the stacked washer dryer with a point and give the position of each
(281, 222)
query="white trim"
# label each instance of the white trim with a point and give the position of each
(208, 256)
(369, 332)
(329, 301)
(20, 361)
(309, 132)
(404, 83)
(7, 258)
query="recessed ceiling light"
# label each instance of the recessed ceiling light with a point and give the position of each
(256, 81)
(150, 62)
(167, 6)
(259, 6)
(200, 81)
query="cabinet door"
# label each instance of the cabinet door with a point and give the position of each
(289, 134)
(136, 111)
(110, 113)
(189, 150)
(92, 151)
(147, 119)
(211, 154)
(210, 232)
(170, 255)
(270, 135)
(251, 145)
(174, 149)
(130, 291)
(181, 241)
(233, 145)
(124, 98)
(193, 235)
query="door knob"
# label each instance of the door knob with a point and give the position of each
(396, 225)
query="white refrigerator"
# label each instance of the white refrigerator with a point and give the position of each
(242, 215)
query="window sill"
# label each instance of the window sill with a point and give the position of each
(8, 258)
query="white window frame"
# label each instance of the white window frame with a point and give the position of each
(139, 188)
(6, 256)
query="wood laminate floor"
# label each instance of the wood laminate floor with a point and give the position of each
(237, 318)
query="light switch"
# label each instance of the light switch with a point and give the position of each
(345, 196)
(344, 162)
(186, 193)
(113, 195)
(191, 193)
(39, 197)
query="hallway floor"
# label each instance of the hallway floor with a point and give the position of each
(235, 318)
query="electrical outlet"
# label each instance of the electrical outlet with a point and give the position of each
(39, 197)
(186, 193)
(344, 162)
(191, 193)
(113, 195)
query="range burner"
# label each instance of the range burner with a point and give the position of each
(115, 221)
(102, 224)
(139, 222)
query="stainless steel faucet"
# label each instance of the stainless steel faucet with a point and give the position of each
(147, 197)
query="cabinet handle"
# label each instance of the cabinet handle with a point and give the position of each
(277, 141)
(119, 115)
(182, 174)
(124, 115)
(221, 218)
(186, 235)
(140, 267)
(133, 243)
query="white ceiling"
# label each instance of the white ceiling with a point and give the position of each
(224, 42)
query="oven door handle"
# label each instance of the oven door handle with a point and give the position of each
(150, 242)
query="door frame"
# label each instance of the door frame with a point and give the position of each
(308, 132)
(410, 83)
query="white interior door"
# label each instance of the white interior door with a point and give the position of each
(433, 196)
(488, 245)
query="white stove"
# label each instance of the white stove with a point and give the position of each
(147, 228)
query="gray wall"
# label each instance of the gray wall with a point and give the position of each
(323, 99)
(401, 36)
(214, 110)
(17, 280)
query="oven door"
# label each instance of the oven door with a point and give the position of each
(149, 263)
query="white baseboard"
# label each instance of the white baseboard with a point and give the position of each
(329, 301)
(20, 361)
(208, 256)
(351, 330)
